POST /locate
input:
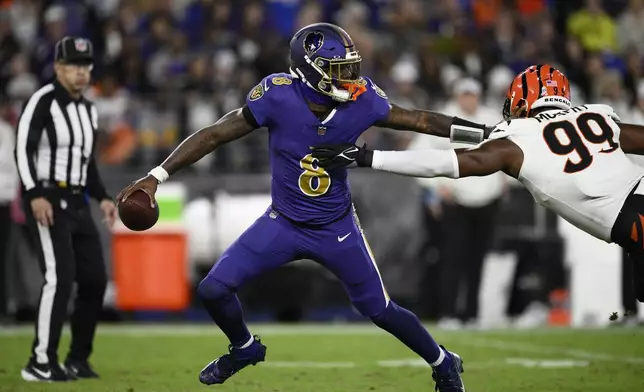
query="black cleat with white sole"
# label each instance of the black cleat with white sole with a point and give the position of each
(38, 372)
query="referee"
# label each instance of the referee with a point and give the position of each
(55, 158)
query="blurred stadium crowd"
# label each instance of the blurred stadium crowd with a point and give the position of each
(166, 68)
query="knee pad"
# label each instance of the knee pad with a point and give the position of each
(213, 290)
(372, 307)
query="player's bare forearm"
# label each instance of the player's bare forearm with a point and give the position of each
(631, 138)
(434, 123)
(228, 128)
(421, 121)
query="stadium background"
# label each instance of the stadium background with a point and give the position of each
(166, 68)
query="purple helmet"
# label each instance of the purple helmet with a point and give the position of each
(325, 58)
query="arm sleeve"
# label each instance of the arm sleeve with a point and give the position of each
(417, 163)
(30, 128)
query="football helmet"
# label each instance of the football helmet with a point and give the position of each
(537, 86)
(324, 57)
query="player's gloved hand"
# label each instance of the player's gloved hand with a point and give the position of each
(333, 156)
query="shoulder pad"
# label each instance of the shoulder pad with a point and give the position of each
(605, 110)
(267, 84)
(372, 86)
(507, 128)
(279, 80)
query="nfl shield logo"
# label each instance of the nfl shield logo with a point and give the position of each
(80, 44)
(321, 130)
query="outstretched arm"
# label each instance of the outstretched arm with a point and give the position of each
(490, 157)
(437, 124)
(631, 138)
(232, 126)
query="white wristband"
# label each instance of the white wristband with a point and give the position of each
(159, 173)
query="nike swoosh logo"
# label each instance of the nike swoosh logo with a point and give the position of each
(46, 374)
(266, 85)
(340, 239)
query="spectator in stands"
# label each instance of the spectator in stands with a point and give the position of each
(8, 47)
(593, 27)
(631, 28)
(498, 83)
(21, 83)
(467, 215)
(28, 12)
(117, 141)
(9, 185)
(502, 44)
(610, 91)
(55, 19)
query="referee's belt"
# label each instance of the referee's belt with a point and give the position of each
(62, 185)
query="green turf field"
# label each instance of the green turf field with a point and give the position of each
(320, 358)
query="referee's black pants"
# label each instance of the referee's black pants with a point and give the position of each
(69, 251)
(468, 233)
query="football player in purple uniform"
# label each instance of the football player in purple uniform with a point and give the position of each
(322, 99)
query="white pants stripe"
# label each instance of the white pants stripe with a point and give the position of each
(371, 256)
(48, 294)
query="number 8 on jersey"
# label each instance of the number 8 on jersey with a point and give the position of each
(314, 181)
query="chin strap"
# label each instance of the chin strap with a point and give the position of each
(340, 95)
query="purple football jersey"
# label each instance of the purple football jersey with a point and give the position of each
(301, 190)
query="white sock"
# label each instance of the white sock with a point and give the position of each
(252, 339)
(441, 358)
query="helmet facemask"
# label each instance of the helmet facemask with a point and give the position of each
(340, 77)
(511, 112)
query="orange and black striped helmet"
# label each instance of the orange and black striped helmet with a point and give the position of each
(537, 86)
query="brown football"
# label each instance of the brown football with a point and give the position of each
(136, 213)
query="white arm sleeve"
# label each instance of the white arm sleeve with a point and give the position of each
(417, 163)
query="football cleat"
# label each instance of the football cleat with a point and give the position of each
(39, 372)
(79, 369)
(450, 380)
(219, 370)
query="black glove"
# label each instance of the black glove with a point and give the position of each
(333, 156)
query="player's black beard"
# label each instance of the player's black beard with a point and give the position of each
(316, 97)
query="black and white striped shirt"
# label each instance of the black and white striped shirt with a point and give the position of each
(55, 143)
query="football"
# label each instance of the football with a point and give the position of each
(136, 213)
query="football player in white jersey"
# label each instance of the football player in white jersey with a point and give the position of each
(571, 159)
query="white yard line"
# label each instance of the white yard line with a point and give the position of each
(546, 363)
(540, 349)
(205, 329)
(302, 329)
(456, 338)
(309, 364)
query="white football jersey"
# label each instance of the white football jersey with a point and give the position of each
(573, 165)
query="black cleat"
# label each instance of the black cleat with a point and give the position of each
(79, 369)
(451, 380)
(39, 372)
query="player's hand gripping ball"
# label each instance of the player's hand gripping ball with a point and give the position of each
(137, 208)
